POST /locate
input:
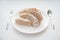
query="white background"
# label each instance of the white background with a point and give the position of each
(11, 34)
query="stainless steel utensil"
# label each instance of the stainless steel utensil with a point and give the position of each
(7, 26)
(49, 13)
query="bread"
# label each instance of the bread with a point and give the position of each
(32, 14)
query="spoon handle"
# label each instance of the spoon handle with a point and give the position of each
(53, 27)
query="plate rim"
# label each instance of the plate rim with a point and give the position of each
(33, 32)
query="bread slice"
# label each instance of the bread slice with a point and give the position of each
(26, 14)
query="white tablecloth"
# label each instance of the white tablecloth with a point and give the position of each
(12, 34)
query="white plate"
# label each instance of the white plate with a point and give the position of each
(31, 30)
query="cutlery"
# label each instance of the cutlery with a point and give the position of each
(7, 26)
(49, 13)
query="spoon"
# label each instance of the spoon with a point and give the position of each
(49, 13)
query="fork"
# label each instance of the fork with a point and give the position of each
(7, 26)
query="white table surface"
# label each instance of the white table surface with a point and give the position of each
(11, 34)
